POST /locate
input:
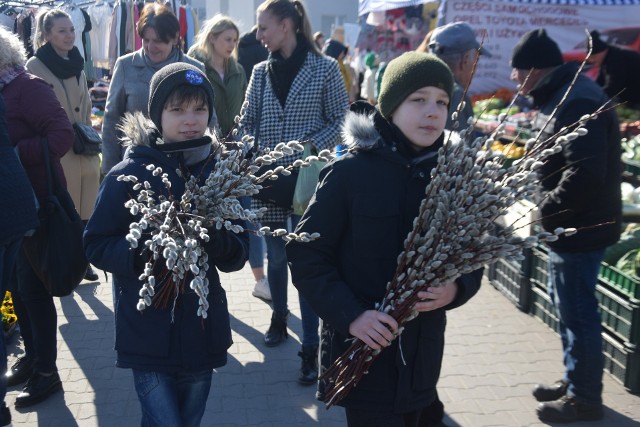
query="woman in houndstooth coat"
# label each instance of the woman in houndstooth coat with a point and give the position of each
(296, 94)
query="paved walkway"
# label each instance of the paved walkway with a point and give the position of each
(494, 355)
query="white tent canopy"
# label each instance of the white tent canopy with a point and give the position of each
(366, 6)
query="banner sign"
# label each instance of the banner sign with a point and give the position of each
(504, 22)
(366, 6)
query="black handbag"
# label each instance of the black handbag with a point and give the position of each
(279, 191)
(88, 141)
(55, 251)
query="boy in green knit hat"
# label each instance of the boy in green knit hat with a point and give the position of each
(363, 208)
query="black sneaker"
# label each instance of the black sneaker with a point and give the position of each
(548, 393)
(20, 371)
(568, 409)
(38, 388)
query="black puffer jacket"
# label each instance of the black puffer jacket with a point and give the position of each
(582, 183)
(363, 208)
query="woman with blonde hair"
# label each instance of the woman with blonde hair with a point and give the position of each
(296, 94)
(33, 114)
(58, 62)
(216, 46)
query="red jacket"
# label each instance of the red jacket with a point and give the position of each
(33, 113)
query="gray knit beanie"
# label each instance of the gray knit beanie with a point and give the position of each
(409, 72)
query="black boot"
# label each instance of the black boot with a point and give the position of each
(277, 332)
(309, 367)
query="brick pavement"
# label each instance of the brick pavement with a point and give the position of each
(494, 354)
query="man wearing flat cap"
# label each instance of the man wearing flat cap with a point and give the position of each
(580, 187)
(456, 44)
(619, 73)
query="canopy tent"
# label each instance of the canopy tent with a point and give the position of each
(366, 6)
(503, 22)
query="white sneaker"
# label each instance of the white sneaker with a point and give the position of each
(261, 289)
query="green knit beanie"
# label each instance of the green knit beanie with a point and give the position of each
(409, 72)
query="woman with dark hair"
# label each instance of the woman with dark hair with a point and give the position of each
(304, 98)
(159, 30)
(59, 63)
(29, 123)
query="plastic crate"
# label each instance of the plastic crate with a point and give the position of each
(511, 279)
(622, 282)
(542, 309)
(622, 361)
(539, 267)
(620, 316)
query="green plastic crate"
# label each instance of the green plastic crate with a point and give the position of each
(620, 281)
(622, 361)
(620, 316)
(539, 267)
(620, 313)
(541, 307)
(511, 279)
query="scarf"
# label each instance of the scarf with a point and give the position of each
(62, 68)
(174, 56)
(189, 152)
(282, 71)
(8, 74)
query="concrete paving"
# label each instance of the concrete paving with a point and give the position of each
(493, 357)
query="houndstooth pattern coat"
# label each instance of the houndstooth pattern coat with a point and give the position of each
(313, 112)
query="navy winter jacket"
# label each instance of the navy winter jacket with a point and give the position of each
(157, 339)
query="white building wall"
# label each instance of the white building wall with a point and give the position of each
(322, 13)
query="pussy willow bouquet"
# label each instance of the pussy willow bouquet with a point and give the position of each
(174, 229)
(455, 233)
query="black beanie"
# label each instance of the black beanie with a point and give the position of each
(406, 74)
(598, 45)
(168, 78)
(536, 50)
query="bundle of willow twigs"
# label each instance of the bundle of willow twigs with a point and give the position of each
(455, 232)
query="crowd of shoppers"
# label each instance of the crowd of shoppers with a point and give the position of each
(293, 85)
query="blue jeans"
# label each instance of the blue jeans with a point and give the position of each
(256, 243)
(572, 286)
(37, 316)
(8, 254)
(278, 272)
(172, 400)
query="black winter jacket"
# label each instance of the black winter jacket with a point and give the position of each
(148, 340)
(363, 208)
(250, 52)
(581, 184)
(620, 71)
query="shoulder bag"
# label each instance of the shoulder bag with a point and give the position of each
(55, 251)
(88, 141)
(279, 191)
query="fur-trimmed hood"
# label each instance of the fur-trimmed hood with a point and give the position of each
(359, 131)
(138, 130)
